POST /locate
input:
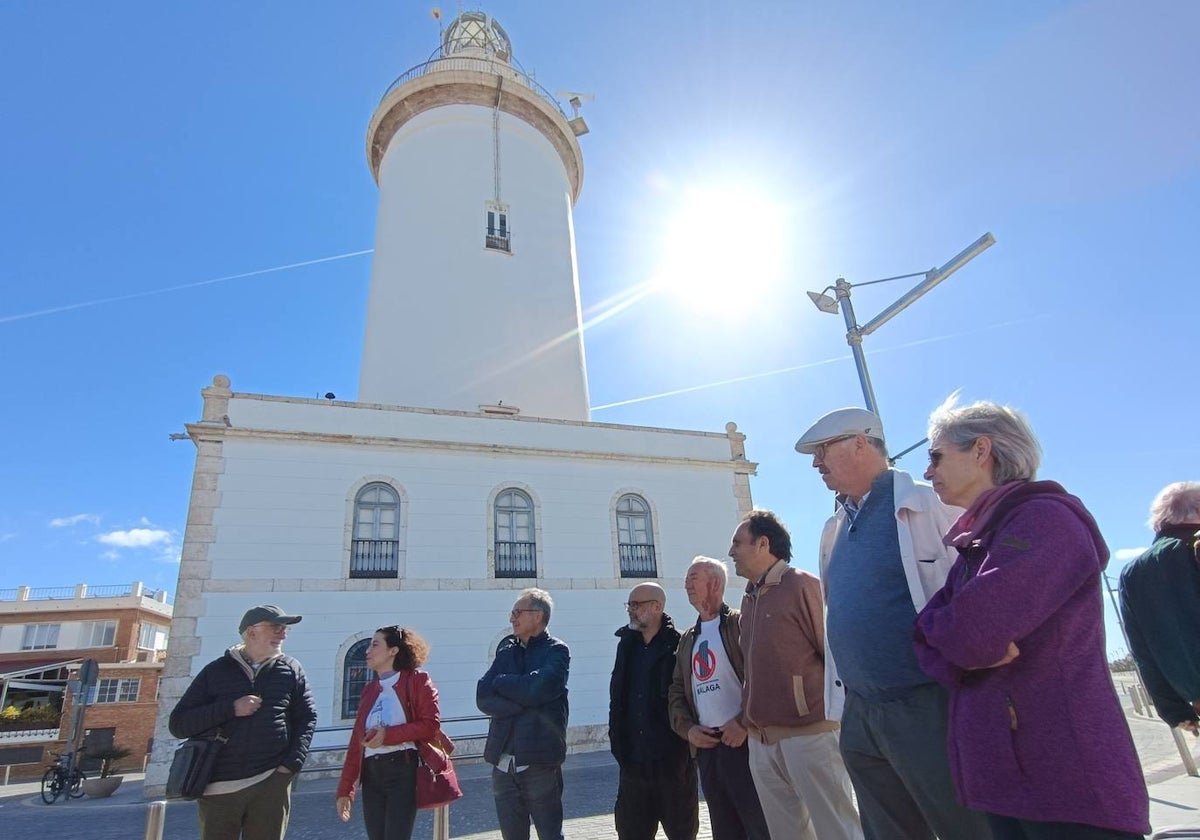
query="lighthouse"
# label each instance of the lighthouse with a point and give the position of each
(468, 469)
(474, 298)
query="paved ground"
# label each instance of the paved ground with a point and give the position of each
(590, 782)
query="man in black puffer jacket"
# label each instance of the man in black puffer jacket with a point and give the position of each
(657, 782)
(258, 699)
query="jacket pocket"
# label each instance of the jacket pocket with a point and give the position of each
(798, 695)
(1014, 725)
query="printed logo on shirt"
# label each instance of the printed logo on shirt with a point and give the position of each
(704, 663)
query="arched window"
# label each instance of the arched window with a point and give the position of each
(516, 546)
(355, 676)
(635, 537)
(375, 548)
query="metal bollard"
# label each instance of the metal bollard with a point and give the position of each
(441, 823)
(1136, 697)
(1185, 751)
(1146, 701)
(156, 818)
(7, 770)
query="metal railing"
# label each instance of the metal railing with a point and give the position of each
(516, 559)
(477, 65)
(64, 593)
(498, 242)
(637, 560)
(374, 558)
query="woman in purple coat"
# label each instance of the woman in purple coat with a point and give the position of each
(1037, 738)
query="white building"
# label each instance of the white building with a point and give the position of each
(360, 514)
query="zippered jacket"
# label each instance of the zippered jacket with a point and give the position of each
(783, 643)
(662, 648)
(1160, 602)
(681, 699)
(1043, 737)
(277, 735)
(525, 694)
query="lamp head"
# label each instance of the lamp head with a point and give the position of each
(824, 302)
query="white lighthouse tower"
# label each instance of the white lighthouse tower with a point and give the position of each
(474, 297)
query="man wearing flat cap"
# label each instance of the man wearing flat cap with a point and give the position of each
(257, 698)
(881, 559)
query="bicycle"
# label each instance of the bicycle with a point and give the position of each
(56, 781)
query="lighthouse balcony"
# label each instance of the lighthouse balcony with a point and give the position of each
(470, 64)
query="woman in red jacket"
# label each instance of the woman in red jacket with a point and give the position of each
(397, 711)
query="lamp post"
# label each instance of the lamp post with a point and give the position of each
(856, 333)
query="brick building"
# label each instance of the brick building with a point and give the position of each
(45, 634)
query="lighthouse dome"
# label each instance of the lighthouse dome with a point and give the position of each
(478, 35)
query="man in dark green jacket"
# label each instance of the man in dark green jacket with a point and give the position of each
(1160, 603)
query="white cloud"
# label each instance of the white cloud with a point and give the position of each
(68, 521)
(6, 537)
(135, 538)
(1124, 555)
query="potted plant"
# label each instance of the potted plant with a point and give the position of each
(108, 783)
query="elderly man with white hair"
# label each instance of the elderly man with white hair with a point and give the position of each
(1160, 602)
(705, 702)
(882, 558)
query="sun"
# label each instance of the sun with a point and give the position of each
(722, 249)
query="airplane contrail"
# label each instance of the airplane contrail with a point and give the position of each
(5, 319)
(764, 374)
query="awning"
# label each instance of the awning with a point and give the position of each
(10, 668)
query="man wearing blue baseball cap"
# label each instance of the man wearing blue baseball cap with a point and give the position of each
(881, 559)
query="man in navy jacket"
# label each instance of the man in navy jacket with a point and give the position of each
(525, 694)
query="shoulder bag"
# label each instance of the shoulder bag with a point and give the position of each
(192, 766)
(437, 783)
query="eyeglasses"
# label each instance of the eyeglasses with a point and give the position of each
(819, 452)
(271, 627)
(634, 605)
(518, 610)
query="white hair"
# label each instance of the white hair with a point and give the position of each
(715, 567)
(1176, 504)
(539, 599)
(1016, 454)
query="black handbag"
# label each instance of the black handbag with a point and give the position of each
(192, 766)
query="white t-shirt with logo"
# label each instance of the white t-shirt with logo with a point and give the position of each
(715, 686)
(387, 711)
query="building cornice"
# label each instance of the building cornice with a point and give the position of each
(213, 432)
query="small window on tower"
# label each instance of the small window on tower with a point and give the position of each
(498, 236)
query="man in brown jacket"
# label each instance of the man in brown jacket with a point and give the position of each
(794, 758)
(705, 704)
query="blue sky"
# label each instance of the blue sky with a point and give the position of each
(154, 146)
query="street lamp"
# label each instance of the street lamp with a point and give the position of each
(855, 333)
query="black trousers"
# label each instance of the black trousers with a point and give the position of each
(389, 795)
(653, 792)
(733, 809)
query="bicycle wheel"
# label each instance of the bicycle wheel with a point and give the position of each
(51, 786)
(76, 789)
